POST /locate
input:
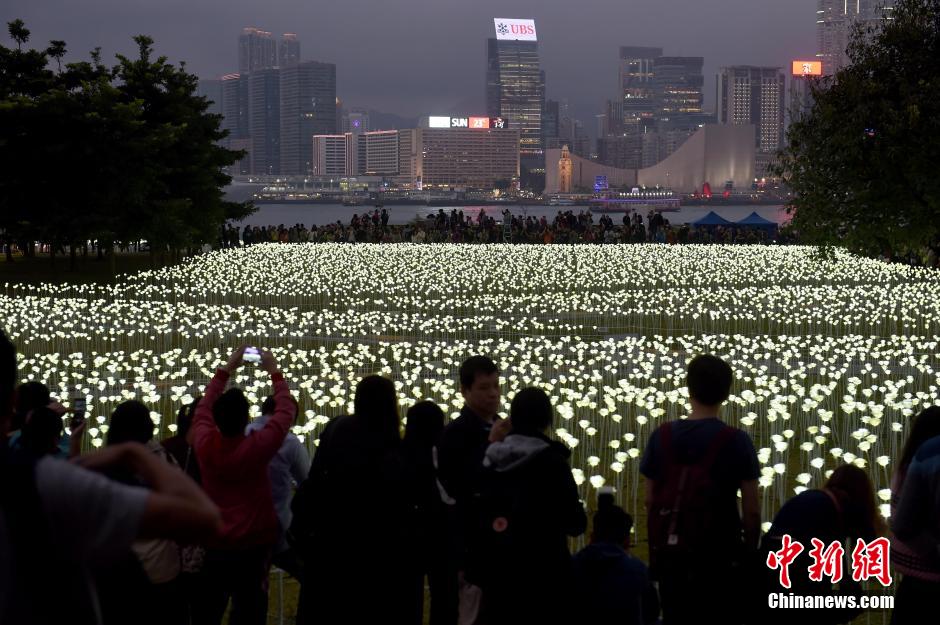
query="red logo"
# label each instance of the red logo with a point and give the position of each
(500, 524)
(869, 560)
(784, 558)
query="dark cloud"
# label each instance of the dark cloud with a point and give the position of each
(417, 56)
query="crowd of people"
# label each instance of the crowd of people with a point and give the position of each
(479, 510)
(459, 227)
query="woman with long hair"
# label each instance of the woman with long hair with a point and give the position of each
(350, 516)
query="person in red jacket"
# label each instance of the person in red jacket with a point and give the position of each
(234, 471)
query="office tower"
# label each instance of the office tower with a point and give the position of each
(551, 124)
(235, 119)
(211, 90)
(264, 105)
(678, 82)
(307, 108)
(257, 49)
(288, 51)
(515, 87)
(754, 95)
(836, 21)
(329, 155)
(636, 84)
(459, 156)
(377, 152)
(800, 102)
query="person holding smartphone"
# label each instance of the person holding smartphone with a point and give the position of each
(234, 470)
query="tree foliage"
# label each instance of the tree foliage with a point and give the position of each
(109, 154)
(864, 163)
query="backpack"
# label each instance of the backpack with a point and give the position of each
(681, 524)
(496, 509)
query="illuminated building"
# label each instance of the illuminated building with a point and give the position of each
(564, 171)
(515, 85)
(835, 22)
(754, 96)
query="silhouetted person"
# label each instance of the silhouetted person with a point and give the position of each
(288, 468)
(151, 575)
(842, 510)
(61, 524)
(699, 543)
(460, 462)
(529, 506)
(613, 587)
(915, 492)
(234, 470)
(350, 517)
(430, 517)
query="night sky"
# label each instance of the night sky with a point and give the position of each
(417, 57)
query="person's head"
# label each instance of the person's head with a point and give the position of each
(42, 433)
(926, 425)
(376, 407)
(479, 385)
(611, 523)
(853, 488)
(29, 396)
(130, 423)
(268, 406)
(531, 412)
(230, 413)
(709, 380)
(184, 418)
(7, 382)
(425, 424)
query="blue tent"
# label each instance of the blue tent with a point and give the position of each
(756, 221)
(712, 219)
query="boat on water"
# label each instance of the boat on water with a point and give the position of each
(637, 199)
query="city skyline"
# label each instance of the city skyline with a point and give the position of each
(439, 65)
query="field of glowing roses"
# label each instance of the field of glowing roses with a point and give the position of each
(832, 357)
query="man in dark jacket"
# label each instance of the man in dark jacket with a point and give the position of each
(613, 587)
(460, 460)
(528, 508)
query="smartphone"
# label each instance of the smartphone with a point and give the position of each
(78, 411)
(252, 355)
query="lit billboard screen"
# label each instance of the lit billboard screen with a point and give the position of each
(515, 30)
(807, 68)
(476, 123)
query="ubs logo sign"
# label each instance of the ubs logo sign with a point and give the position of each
(515, 30)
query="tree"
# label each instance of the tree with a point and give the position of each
(862, 164)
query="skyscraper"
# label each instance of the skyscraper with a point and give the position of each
(677, 83)
(235, 118)
(754, 95)
(515, 88)
(257, 49)
(308, 108)
(835, 23)
(288, 51)
(636, 84)
(265, 121)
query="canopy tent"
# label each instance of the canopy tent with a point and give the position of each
(756, 221)
(712, 219)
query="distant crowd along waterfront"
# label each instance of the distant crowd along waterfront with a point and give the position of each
(457, 227)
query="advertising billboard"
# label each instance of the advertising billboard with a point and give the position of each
(515, 30)
(437, 121)
(479, 122)
(807, 68)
